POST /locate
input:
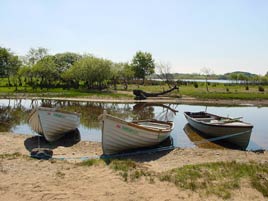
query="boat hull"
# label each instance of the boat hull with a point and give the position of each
(119, 136)
(53, 124)
(232, 132)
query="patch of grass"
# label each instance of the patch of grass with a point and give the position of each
(260, 182)
(122, 165)
(129, 170)
(91, 162)
(218, 91)
(58, 92)
(12, 156)
(218, 178)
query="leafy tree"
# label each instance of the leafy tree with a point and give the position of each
(143, 65)
(116, 70)
(127, 74)
(9, 64)
(45, 69)
(26, 72)
(93, 71)
(65, 60)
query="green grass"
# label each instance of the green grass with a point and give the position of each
(13, 156)
(58, 92)
(126, 168)
(218, 178)
(91, 162)
(216, 91)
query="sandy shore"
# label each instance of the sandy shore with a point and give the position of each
(23, 178)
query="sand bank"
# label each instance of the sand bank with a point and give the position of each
(23, 178)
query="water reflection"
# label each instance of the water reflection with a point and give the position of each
(11, 116)
(204, 141)
(67, 140)
(147, 111)
(14, 117)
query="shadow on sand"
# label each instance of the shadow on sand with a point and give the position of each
(145, 154)
(68, 140)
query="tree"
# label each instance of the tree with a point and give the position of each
(9, 64)
(45, 69)
(143, 65)
(206, 72)
(116, 70)
(164, 73)
(34, 55)
(65, 60)
(93, 71)
(127, 74)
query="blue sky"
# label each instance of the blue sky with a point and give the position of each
(187, 35)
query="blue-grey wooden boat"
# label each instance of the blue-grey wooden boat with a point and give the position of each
(237, 131)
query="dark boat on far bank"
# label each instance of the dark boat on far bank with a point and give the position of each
(230, 129)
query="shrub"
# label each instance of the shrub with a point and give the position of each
(261, 88)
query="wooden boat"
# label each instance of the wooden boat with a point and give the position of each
(119, 135)
(202, 140)
(53, 123)
(231, 129)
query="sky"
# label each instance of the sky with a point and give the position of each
(186, 35)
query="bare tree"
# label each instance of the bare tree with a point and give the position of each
(164, 73)
(206, 72)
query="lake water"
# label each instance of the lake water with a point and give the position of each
(203, 80)
(14, 114)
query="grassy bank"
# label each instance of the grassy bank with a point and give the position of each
(219, 178)
(216, 91)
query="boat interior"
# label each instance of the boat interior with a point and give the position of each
(149, 124)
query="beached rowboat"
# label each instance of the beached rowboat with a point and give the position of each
(119, 135)
(231, 129)
(53, 123)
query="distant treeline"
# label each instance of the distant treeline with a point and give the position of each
(38, 69)
(235, 76)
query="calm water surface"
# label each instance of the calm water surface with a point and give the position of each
(14, 113)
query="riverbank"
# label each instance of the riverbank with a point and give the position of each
(162, 99)
(23, 178)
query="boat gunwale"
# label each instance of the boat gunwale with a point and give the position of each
(247, 125)
(51, 109)
(133, 124)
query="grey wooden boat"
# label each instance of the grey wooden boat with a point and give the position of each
(231, 129)
(119, 135)
(53, 123)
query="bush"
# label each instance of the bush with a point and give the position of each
(227, 89)
(195, 85)
(261, 88)
(247, 88)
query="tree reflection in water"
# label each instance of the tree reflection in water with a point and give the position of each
(15, 112)
(12, 115)
(147, 111)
